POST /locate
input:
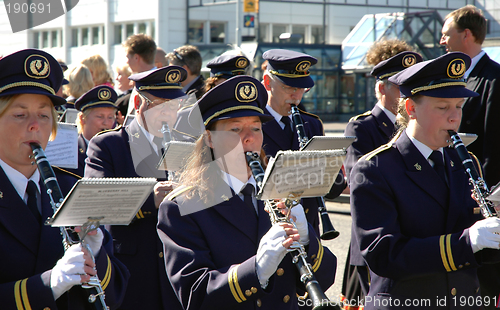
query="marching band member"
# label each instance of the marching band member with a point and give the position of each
(221, 251)
(97, 113)
(35, 272)
(135, 151)
(413, 215)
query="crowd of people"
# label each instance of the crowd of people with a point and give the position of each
(202, 239)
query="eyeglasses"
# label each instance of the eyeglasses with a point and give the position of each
(164, 103)
(292, 90)
(178, 56)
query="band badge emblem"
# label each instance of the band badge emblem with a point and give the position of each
(241, 63)
(303, 66)
(409, 60)
(246, 91)
(418, 167)
(456, 68)
(173, 76)
(37, 67)
(104, 94)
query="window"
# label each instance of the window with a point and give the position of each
(74, 37)
(95, 35)
(118, 34)
(195, 32)
(130, 30)
(36, 36)
(277, 31)
(85, 36)
(45, 39)
(55, 38)
(142, 28)
(217, 33)
(316, 35)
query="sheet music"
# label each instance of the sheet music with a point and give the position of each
(323, 143)
(301, 173)
(175, 155)
(115, 200)
(63, 151)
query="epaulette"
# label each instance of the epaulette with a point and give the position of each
(67, 172)
(381, 148)
(107, 130)
(184, 133)
(177, 191)
(357, 116)
(186, 107)
(310, 114)
(478, 164)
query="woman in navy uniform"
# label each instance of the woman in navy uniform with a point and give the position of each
(413, 215)
(221, 251)
(134, 151)
(97, 113)
(35, 271)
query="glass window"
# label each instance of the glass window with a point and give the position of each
(316, 35)
(217, 33)
(55, 38)
(36, 36)
(277, 31)
(152, 25)
(95, 35)
(130, 30)
(263, 29)
(45, 39)
(118, 34)
(74, 37)
(85, 36)
(142, 28)
(298, 34)
(195, 32)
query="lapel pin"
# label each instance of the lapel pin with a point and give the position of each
(418, 167)
(383, 123)
(224, 197)
(1, 195)
(452, 163)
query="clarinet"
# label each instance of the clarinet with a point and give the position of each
(167, 136)
(95, 291)
(318, 297)
(329, 231)
(480, 190)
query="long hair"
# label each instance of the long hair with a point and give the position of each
(99, 69)
(80, 81)
(202, 174)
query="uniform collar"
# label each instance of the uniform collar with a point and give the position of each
(18, 180)
(473, 63)
(422, 148)
(277, 116)
(389, 114)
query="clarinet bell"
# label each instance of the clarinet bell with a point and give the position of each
(329, 231)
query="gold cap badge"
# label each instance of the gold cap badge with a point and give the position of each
(456, 68)
(173, 76)
(37, 67)
(409, 60)
(241, 63)
(246, 92)
(104, 94)
(303, 66)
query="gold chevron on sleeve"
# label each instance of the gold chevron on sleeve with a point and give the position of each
(234, 286)
(319, 257)
(446, 253)
(107, 276)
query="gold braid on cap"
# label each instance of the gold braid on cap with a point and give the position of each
(383, 76)
(22, 84)
(240, 107)
(89, 105)
(159, 87)
(435, 86)
(290, 75)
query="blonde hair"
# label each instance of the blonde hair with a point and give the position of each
(81, 116)
(201, 173)
(80, 81)
(99, 69)
(124, 69)
(6, 101)
(402, 119)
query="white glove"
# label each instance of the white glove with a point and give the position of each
(301, 224)
(95, 242)
(67, 271)
(483, 234)
(270, 253)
